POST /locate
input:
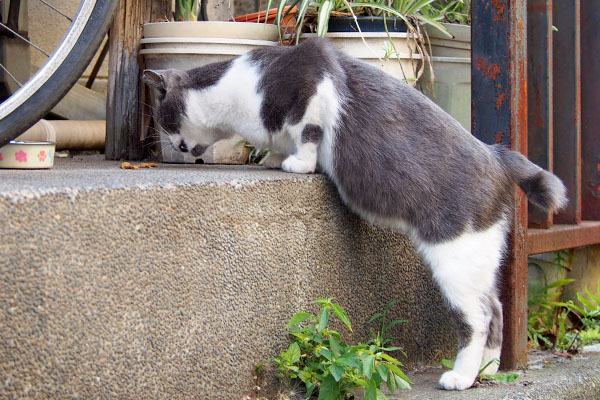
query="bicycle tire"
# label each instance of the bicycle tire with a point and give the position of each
(60, 72)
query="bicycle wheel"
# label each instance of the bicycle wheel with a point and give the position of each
(62, 70)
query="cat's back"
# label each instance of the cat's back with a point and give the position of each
(398, 156)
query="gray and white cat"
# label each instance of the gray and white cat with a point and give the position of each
(397, 159)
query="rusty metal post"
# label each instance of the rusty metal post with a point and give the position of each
(539, 95)
(567, 105)
(499, 104)
(590, 109)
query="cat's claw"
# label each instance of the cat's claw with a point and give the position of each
(297, 166)
(452, 380)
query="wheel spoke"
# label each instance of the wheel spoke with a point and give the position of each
(11, 75)
(24, 38)
(57, 10)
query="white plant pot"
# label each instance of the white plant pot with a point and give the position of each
(187, 45)
(402, 65)
(443, 46)
(451, 60)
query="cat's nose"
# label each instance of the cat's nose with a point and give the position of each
(183, 147)
(198, 150)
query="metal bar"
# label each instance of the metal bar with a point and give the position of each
(539, 93)
(590, 110)
(567, 106)
(97, 65)
(499, 104)
(563, 237)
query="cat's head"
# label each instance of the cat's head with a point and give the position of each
(183, 124)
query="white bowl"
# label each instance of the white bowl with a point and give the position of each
(27, 154)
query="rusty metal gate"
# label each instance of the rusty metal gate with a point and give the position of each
(537, 90)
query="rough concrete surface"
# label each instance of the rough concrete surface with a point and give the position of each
(547, 378)
(173, 282)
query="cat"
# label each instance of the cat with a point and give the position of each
(396, 158)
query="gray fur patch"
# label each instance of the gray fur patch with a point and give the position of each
(494, 339)
(465, 331)
(312, 133)
(287, 99)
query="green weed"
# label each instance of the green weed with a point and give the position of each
(327, 365)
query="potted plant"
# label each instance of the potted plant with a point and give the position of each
(385, 34)
(449, 82)
(188, 43)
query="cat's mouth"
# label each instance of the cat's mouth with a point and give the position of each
(198, 150)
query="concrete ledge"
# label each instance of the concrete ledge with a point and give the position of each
(172, 282)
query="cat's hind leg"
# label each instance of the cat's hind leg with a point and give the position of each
(465, 270)
(491, 351)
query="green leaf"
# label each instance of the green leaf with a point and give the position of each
(336, 371)
(586, 302)
(398, 372)
(383, 372)
(402, 383)
(371, 390)
(368, 362)
(323, 318)
(330, 389)
(591, 295)
(293, 353)
(341, 314)
(305, 376)
(323, 17)
(501, 377)
(561, 282)
(391, 348)
(374, 317)
(447, 363)
(297, 318)
(391, 382)
(335, 346)
(381, 396)
(349, 360)
(326, 353)
(310, 387)
(390, 359)
(395, 322)
(492, 361)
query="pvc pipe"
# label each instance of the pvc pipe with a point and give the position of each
(72, 135)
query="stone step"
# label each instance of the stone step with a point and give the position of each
(173, 282)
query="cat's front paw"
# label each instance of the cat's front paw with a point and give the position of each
(452, 380)
(298, 166)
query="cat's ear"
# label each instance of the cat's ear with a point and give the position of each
(156, 79)
(166, 79)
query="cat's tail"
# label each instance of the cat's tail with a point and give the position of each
(541, 187)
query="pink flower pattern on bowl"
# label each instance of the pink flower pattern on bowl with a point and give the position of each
(42, 156)
(21, 156)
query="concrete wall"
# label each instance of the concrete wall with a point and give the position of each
(139, 287)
